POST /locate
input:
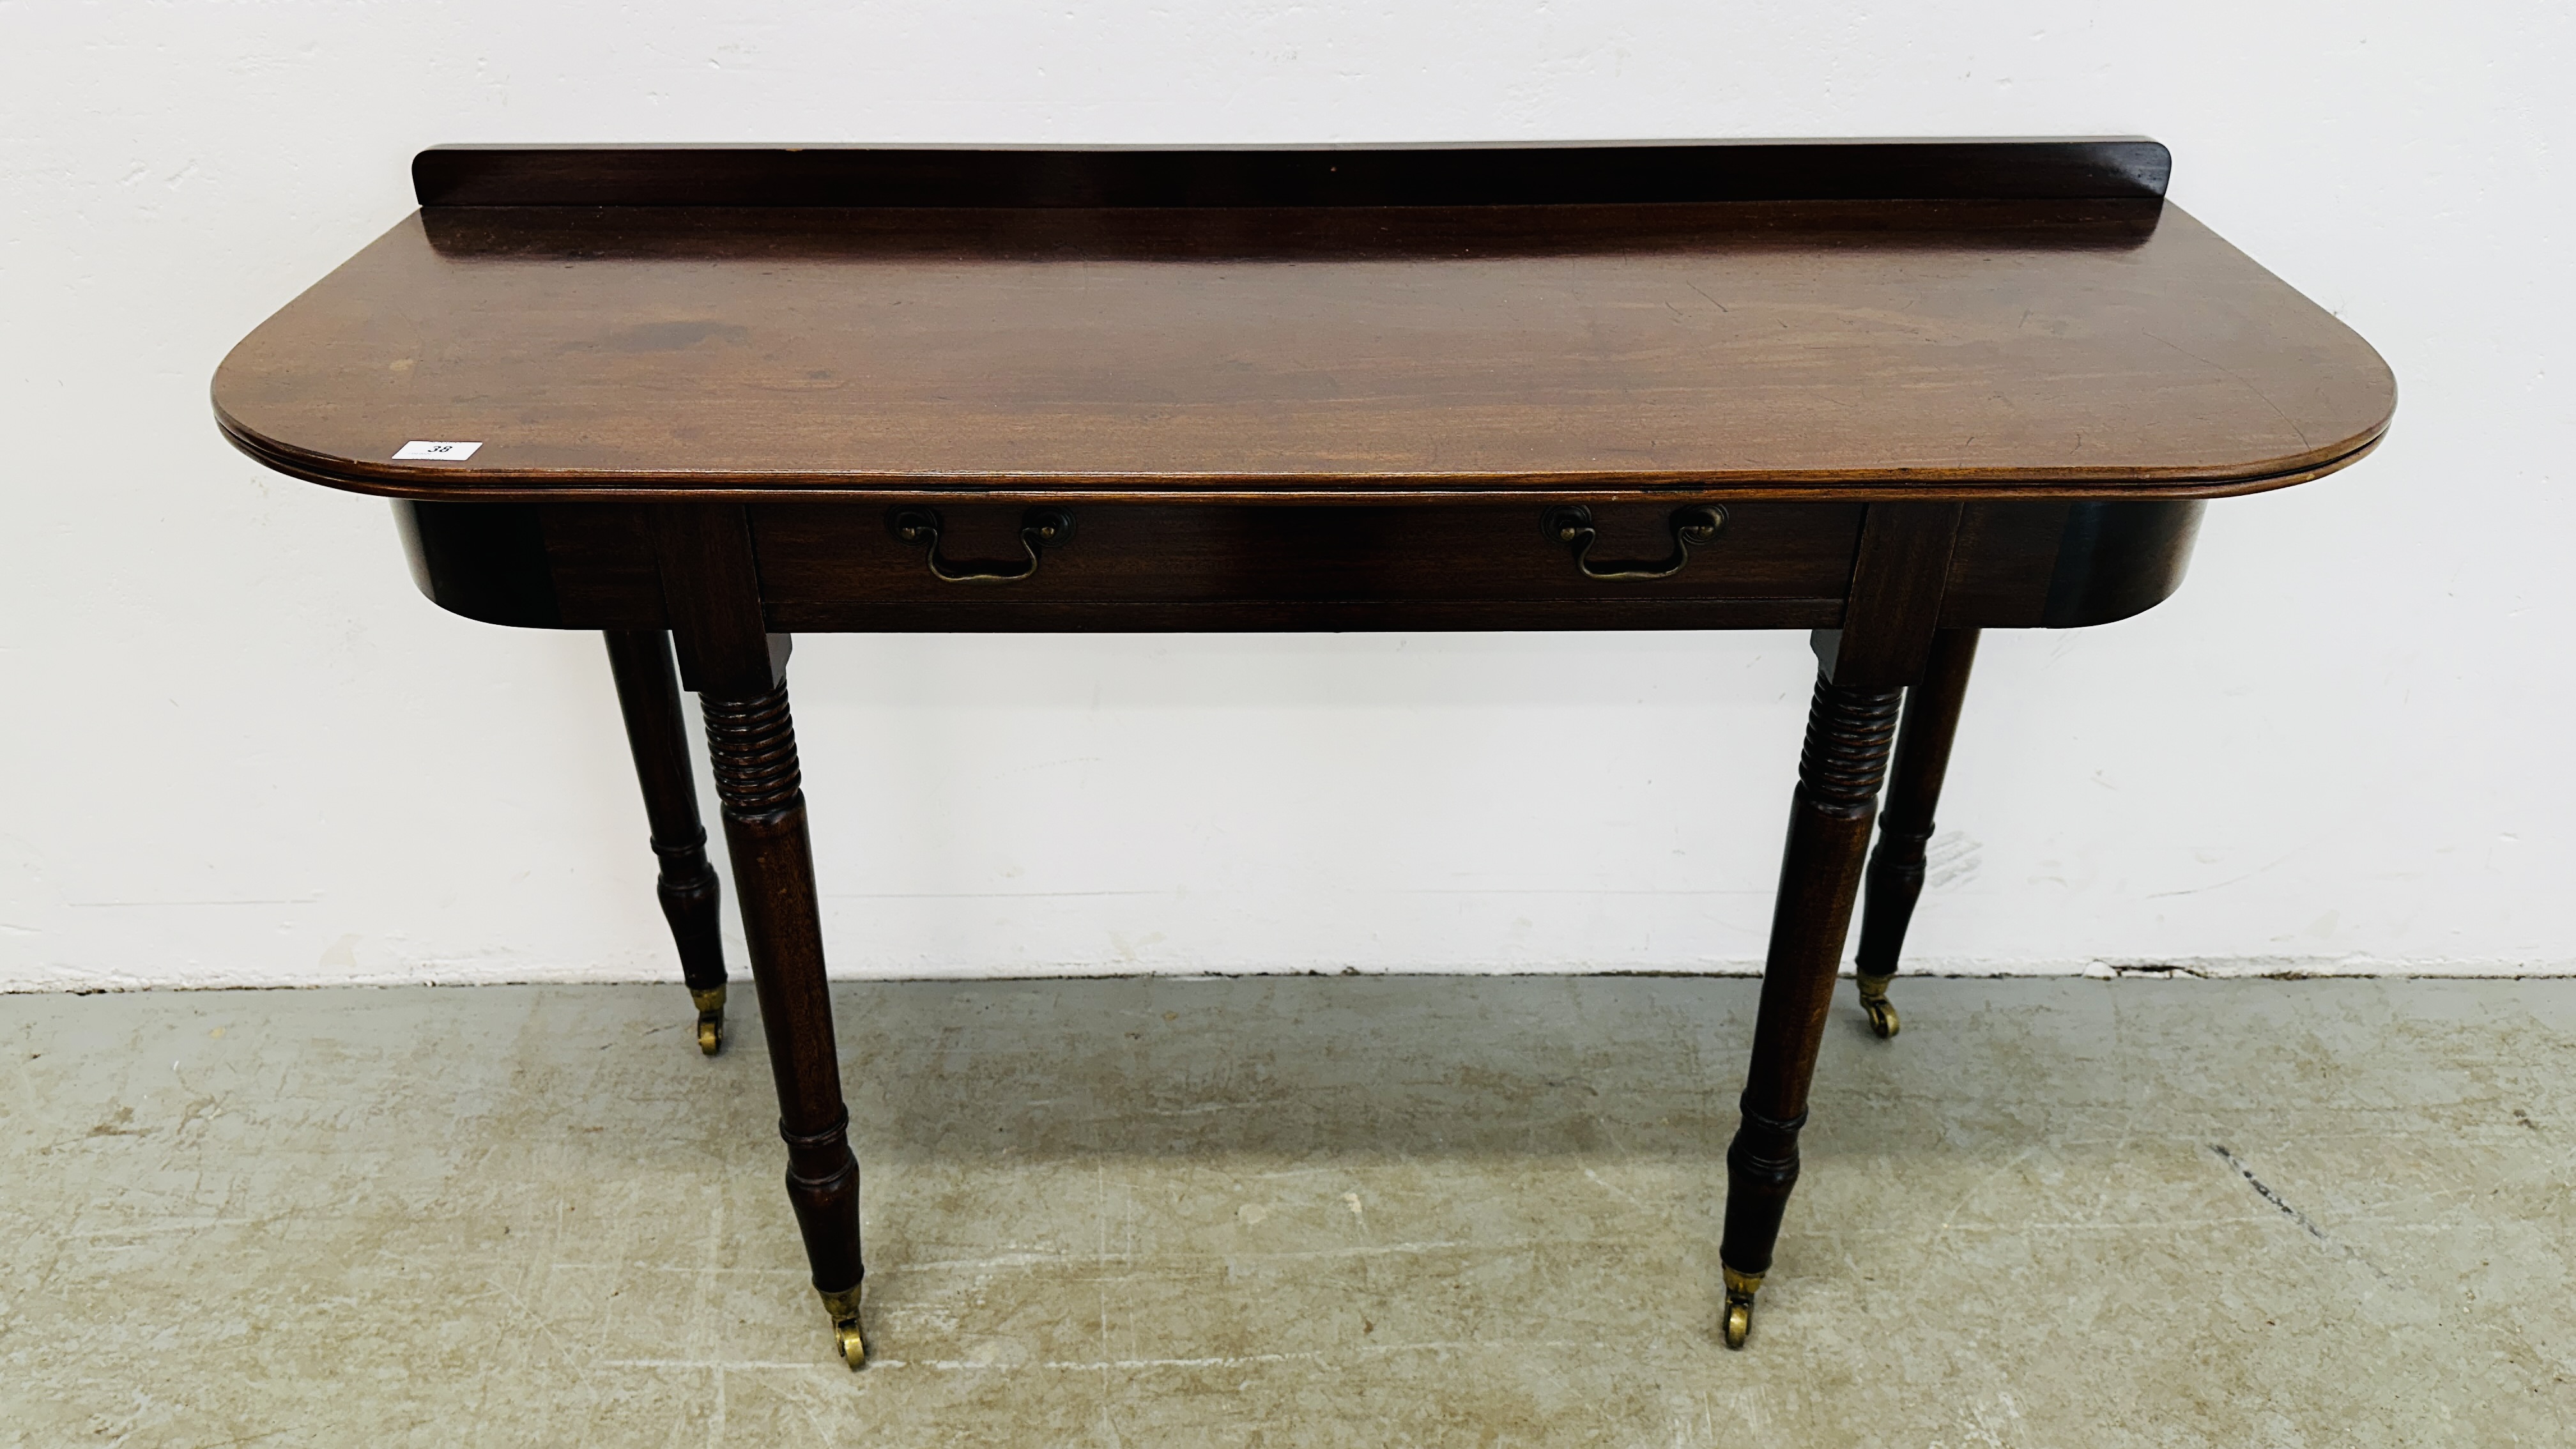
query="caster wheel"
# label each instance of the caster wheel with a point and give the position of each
(1873, 999)
(1740, 1288)
(844, 1308)
(1882, 1018)
(710, 1004)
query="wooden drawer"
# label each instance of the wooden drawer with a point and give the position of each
(1251, 566)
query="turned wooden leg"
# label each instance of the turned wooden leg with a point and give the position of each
(648, 690)
(1895, 880)
(1848, 732)
(711, 582)
(753, 744)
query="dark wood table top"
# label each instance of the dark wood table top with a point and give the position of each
(1805, 325)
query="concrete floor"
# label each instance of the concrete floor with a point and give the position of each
(1368, 1211)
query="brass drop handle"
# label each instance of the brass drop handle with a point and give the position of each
(1693, 527)
(1038, 527)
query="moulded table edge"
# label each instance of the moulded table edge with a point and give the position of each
(418, 483)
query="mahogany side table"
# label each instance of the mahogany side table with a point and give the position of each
(1890, 392)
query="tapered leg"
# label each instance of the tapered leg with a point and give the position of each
(1848, 733)
(648, 690)
(753, 744)
(1895, 879)
(711, 585)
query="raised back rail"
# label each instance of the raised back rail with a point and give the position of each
(2109, 168)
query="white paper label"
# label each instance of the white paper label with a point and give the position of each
(439, 452)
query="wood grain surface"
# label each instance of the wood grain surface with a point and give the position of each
(1794, 349)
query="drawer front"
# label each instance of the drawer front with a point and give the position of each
(842, 565)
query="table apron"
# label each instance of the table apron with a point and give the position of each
(847, 567)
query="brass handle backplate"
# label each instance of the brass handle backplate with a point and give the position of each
(1693, 527)
(1039, 527)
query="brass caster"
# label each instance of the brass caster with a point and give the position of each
(1873, 999)
(1882, 1019)
(1740, 1288)
(710, 1019)
(844, 1308)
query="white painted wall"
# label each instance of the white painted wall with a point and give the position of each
(235, 747)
